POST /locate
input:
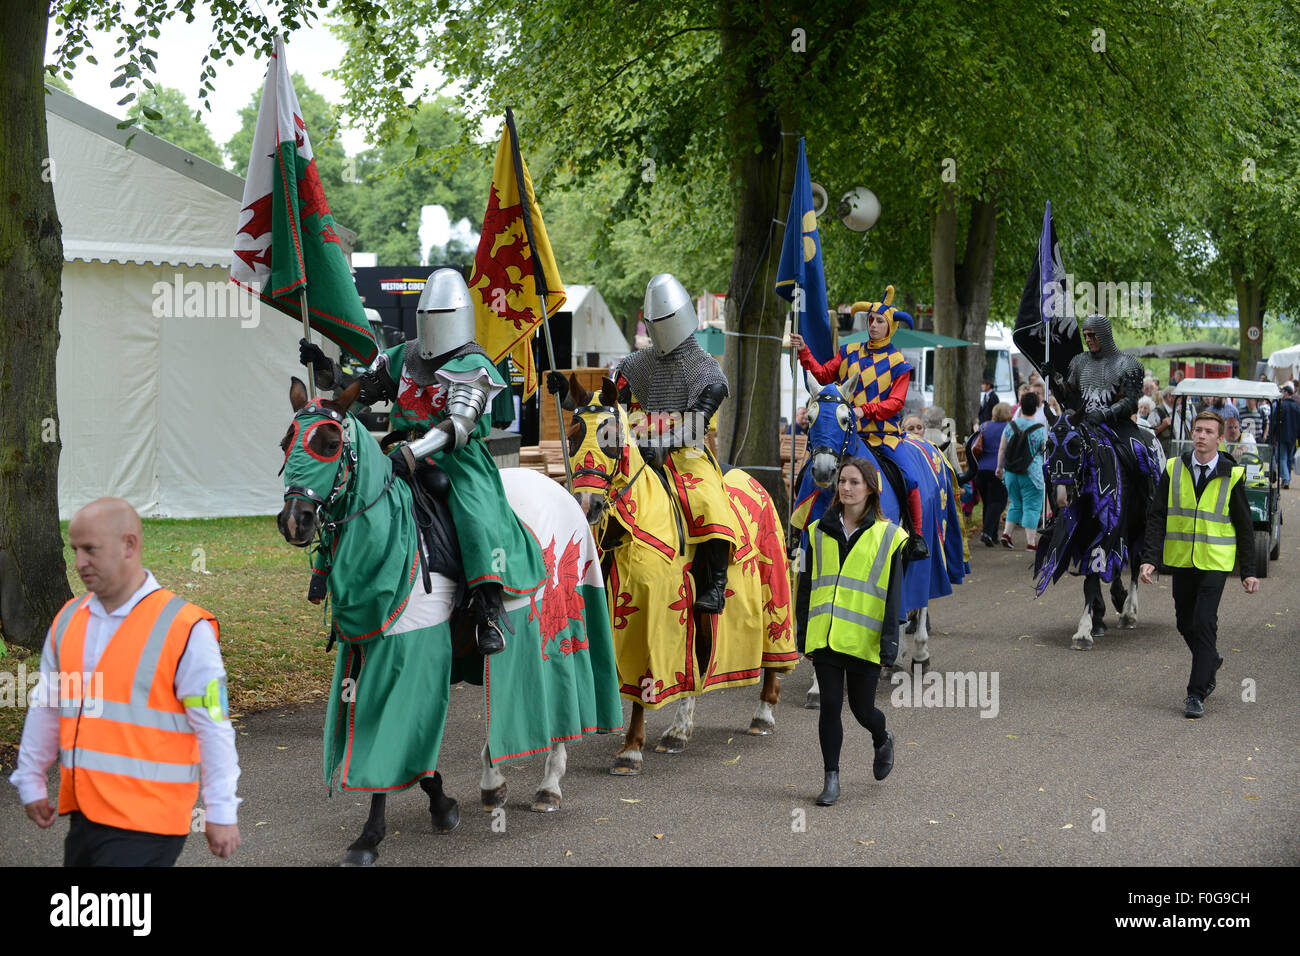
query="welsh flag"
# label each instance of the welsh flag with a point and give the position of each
(514, 266)
(286, 245)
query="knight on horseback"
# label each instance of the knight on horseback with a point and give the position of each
(882, 376)
(1104, 384)
(440, 383)
(679, 387)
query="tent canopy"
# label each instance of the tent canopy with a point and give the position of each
(1285, 358)
(1173, 350)
(1226, 388)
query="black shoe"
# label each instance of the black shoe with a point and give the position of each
(711, 599)
(884, 757)
(917, 550)
(1098, 630)
(830, 789)
(1194, 707)
(987, 539)
(490, 614)
(1213, 683)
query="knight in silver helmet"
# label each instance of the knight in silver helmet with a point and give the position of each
(441, 383)
(679, 387)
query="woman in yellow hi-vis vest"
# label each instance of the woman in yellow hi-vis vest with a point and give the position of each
(854, 560)
(1198, 526)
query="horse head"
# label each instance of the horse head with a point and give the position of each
(600, 449)
(319, 461)
(832, 430)
(1069, 455)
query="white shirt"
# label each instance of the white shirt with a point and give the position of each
(198, 666)
(1208, 467)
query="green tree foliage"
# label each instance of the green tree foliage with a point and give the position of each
(162, 111)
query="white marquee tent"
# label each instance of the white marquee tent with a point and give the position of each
(594, 328)
(172, 389)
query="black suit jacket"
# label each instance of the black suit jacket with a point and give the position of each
(1153, 547)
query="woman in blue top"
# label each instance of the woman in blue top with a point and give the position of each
(987, 481)
(1024, 489)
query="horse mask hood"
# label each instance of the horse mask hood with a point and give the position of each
(886, 308)
(304, 469)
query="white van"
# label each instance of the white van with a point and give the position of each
(999, 356)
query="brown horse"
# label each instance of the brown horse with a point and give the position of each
(666, 650)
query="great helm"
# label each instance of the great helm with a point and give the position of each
(669, 313)
(444, 317)
(887, 309)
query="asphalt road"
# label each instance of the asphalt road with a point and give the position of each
(1087, 762)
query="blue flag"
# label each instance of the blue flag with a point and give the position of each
(801, 266)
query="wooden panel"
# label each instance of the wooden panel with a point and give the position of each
(589, 378)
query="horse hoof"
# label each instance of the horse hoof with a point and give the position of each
(926, 665)
(812, 702)
(626, 766)
(670, 745)
(1081, 643)
(546, 802)
(448, 819)
(493, 798)
(360, 857)
(1128, 623)
(760, 728)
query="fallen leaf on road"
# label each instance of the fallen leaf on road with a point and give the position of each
(1248, 778)
(659, 836)
(568, 853)
(733, 760)
(932, 821)
(1068, 826)
(1041, 790)
(999, 846)
(730, 739)
(1251, 796)
(281, 748)
(602, 819)
(1013, 736)
(1090, 796)
(262, 823)
(913, 743)
(951, 814)
(630, 799)
(864, 842)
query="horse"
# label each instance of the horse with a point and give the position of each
(668, 652)
(401, 645)
(833, 439)
(1096, 530)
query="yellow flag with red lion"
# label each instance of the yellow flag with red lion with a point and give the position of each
(514, 267)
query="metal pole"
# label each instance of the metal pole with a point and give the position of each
(306, 331)
(559, 408)
(794, 398)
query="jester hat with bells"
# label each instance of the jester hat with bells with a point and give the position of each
(887, 309)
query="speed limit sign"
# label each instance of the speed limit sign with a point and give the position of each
(1252, 333)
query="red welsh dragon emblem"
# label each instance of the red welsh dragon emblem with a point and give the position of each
(561, 602)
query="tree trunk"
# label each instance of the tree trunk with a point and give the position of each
(762, 179)
(1252, 300)
(33, 575)
(962, 293)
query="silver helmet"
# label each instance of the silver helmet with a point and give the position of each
(669, 313)
(444, 317)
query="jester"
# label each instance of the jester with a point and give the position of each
(440, 383)
(672, 389)
(881, 374)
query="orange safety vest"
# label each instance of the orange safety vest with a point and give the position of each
(128, 758)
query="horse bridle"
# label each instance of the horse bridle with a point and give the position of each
(837, 398)
(607, 478)
(342, 475)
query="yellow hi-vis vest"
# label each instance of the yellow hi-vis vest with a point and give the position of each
(1199, 534)
(846, 609)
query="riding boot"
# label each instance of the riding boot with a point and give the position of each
(711, 559)
(916, 548)
(490, 616)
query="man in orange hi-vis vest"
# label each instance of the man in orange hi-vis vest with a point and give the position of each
(132, 703)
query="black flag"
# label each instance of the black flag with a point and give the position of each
(1047, 330)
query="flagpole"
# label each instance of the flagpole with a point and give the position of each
(794, 398)
(539, 283)
(306, 331)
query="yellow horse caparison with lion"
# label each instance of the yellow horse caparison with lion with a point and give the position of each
(666, 651)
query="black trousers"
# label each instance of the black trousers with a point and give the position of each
(94, 844)
(1196, 605)
(994, 495)
(861, 680)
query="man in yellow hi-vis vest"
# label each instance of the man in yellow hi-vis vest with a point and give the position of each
(1199, 525)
